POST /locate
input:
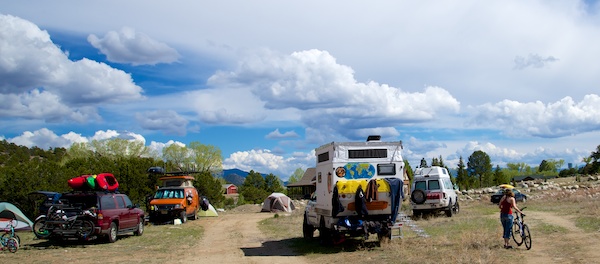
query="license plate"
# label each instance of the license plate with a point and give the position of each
(163, 211)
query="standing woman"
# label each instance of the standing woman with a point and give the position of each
(507, 203)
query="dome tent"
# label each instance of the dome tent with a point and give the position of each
(278, 202)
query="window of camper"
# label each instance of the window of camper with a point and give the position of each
(386, 169)
(367, 153)
(323, 157)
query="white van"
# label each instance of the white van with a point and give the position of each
(432, 191)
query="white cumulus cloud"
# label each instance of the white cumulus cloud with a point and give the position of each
(129, 46)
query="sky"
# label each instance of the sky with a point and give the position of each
(267, 82)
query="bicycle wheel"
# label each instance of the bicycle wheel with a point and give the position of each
(12, 244)
(7, 235)
(39, 228)
(516, 234)
(527, 237)
(87, 228)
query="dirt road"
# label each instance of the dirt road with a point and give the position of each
(236, 238)
(572, 246)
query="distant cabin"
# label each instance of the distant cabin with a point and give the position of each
(230, 189)
(303, 188)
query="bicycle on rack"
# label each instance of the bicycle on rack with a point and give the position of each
(64, 221)
(520, 230)
(9, 231)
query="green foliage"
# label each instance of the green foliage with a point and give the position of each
(273, 184)
(296, 176)
(254, 188)
(462, 177)
(408, 170)
(423, 163)
(210, 187)
(480, 166)
(205, 158)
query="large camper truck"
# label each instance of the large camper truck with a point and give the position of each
(359, 189)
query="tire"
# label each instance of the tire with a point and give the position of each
(324, 233)
(308, 231)
(527, 237)
(87, 228)
(183, 217)
(140, 228)
(516, 234)
(39, 229)
(194, 216)
(418, 196)
(456, 208)
(450, 209)
(112, 233)
(7, 235)
(384, 236)
(12, 244)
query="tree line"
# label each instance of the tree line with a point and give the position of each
(25, 170)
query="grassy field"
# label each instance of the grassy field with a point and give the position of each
(158, 244)
(565, 227)
(473, 236)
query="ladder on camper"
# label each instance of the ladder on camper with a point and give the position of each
(401, 220)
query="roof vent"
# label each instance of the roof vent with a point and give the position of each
(374, 138)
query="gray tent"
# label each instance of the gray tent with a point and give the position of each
(278, 202)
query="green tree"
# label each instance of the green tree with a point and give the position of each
(423, 163)
(253, 188)
(206, 158)
(499, 177)
(296, 176)
(480, 166)
(273, 184)
(462, 176)
(210, 187)
(177, 155)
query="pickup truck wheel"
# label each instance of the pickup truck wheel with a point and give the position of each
(456, 208)
(112, 233)
(140, 227)
(324, 233)
(308, 231)
(183, 217)
(449, 210)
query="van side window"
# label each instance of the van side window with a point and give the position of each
(107, 202)
(434, 185)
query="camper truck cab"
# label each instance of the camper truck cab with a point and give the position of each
(359, 188)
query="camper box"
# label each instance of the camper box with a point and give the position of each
(356, 182)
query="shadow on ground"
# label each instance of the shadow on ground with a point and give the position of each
(300, 247)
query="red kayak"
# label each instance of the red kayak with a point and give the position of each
(78, 182)
(107, 181)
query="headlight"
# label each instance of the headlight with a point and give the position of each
(152, 208)
(177, 206)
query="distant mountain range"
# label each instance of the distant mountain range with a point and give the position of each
(236, 176)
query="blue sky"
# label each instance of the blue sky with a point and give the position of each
(269, 81)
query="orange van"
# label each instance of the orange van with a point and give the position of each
(177, 198)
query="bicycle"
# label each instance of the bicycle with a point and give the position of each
(9, 243)
(520, 230)
(9, 231)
